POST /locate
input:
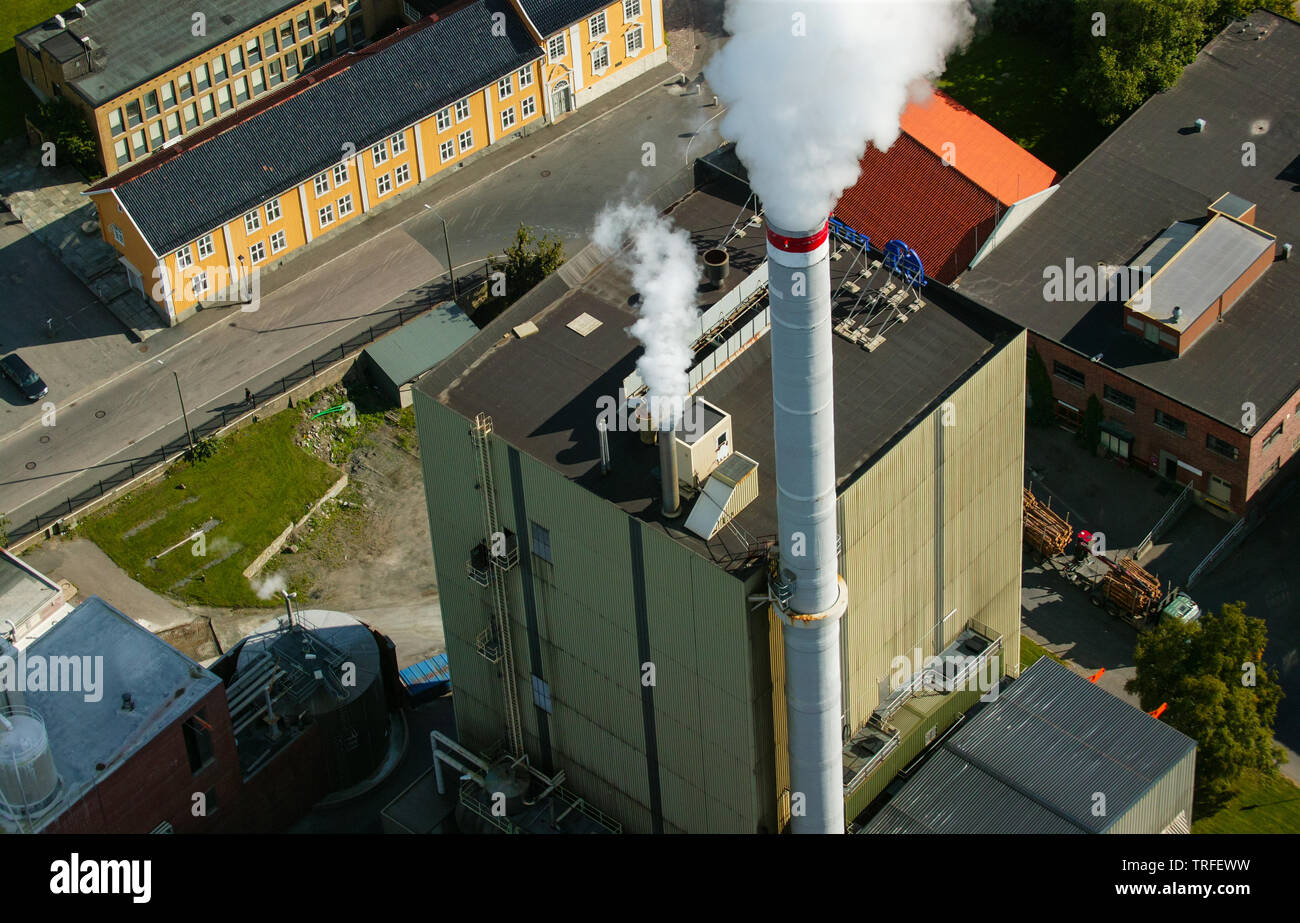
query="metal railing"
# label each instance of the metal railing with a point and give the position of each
(1226, 545)
(219, 420)
(1176, 509)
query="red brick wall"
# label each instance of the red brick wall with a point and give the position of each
(156, 784)
(1150, 439)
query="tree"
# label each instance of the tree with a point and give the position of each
(1219, 691)
(63, 124)
(1039, 386)
(1145, 46)
(530, 259)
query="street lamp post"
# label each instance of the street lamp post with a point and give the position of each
(184, 416)
(446, 240)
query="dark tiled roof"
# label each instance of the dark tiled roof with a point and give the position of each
(550, 16)
(909, 193)
(304, 128)
(136, 40)
(1030, 761)
(1155, 170)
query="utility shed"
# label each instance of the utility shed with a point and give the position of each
(397, 359)
(1053, 753)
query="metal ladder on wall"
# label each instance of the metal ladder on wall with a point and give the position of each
(480, 434)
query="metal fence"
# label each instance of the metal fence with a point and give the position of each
(219, 420)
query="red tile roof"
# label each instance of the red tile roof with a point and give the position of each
(909, 194)
(945, 213)
(979, 151)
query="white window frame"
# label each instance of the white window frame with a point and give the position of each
(346, 200)
(631, 10)
(404, 169)
(591, 26)
(462, 110)
(397, 143)
(638, 33)
(447, 150)
(282, 239)
(527, 108)
(383, 184)
(506, 87)
(508, 111)
(379, 153)
(198, 283)
(117, 236)
(206, 247)
(340, 174)
(600, 48)
(322, 183)
(252, 221)
(184, 257)
(525, 75)
(552, 54)
(253, 252)
(323, 213)
(443, 119)
(273, 211)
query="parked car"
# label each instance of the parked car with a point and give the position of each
(24, 376)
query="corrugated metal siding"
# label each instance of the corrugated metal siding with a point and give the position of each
(710, 766)
(888, 518)
(1157, 809)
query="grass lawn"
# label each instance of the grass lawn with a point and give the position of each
(1020, 86)
(1259, 804)
(244, 496)
(1031, 651)
(18, 16)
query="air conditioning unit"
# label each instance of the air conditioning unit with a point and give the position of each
(338, 11)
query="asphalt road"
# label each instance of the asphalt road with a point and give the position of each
(133, 407)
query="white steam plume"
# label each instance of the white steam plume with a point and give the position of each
(808, 83)
(664, 272)
(266, 587)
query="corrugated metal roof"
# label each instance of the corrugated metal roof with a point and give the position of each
(550, 16)
(1032, 761)
(379, 92)
(414, 348)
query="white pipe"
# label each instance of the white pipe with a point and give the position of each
(672, 505)
(799, 288)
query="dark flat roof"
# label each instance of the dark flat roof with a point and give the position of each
(542, 390)
(134, 41)
(1154, 170)
(550, 16)
(1031, 760)
(175, 197)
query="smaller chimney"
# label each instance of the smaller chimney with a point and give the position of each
(602, 433)
(60, 21)
(1286, 251)
(1178, 314)
(668, 473)
(1200, 125)
(81, 9)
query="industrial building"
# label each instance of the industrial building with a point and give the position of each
(952, 186)
(397, 359)
(105, 728)
(1054, 753)
(194, 221)
(641, 655)
(1160, 280)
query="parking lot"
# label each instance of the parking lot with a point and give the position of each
(88, 345)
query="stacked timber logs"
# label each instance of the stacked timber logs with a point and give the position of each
(1045, 532)
(1132, 588)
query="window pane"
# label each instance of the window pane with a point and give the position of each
(269, 46)
(224, 101)
(206, 107)
(133, 116)
(218, 69)
(274, 70)
(286, 34)
(191, 116)
(236, 61)
(304, 26)
(241, 90)
(253, 51)
(173, 125)
(291, 65)
(115, 122)
(201, 80)
(155, 135)
(185, 87)
(168, 95)
(150, 104)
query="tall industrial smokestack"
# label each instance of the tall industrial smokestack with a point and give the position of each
(799, 288)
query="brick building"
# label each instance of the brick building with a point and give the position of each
(1156, 278)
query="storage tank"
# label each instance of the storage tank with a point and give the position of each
(347, 700)
(28, 780)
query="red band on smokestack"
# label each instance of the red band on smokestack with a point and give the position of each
(799, 244)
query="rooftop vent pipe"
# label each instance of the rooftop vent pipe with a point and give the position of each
(799, 289)
(60, 21)
(1200, 124)
(1286, 251)
(717, 263)
(672, 499)
(602, 434)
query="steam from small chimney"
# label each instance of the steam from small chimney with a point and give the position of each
(809, 84)
(664, 272)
